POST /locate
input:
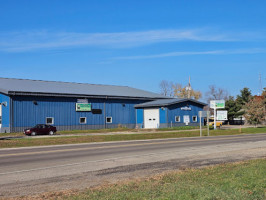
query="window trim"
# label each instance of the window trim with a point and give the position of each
(196, 118)
(179, 118)
(83, 122)
(49, 123)
(111, 121)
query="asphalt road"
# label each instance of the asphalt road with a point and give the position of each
(58, 167)
(26, 159)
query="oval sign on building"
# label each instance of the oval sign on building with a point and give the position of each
(185, 108)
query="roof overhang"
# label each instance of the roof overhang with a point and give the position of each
(152, 105)
(19, 93)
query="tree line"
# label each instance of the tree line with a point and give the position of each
(253, 108)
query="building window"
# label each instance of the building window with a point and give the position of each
(82, 120)
(177, 118)
(109, 120)
(49, 120)
(194, 118)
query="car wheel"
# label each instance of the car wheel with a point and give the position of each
(33, 134)
(51, 133)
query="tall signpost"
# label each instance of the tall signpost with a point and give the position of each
(208, 126)
(216, 104)
(204, 114)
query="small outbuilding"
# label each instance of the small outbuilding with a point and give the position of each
(165, 113)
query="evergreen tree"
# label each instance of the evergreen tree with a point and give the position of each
(233, 108)
(244, 97)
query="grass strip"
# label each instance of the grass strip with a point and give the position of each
(243, 180)
(31, 141)
(121, 129)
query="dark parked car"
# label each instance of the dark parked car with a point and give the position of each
(40, 129)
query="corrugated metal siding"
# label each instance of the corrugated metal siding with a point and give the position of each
(5, 110)
(175, 110)
(121, 111)
(140, 116)
(63, 111)
(162, 115)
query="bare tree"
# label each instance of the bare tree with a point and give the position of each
(177, 90)
(166, 88)
(215, 93)
(183, 92)
(164, 85)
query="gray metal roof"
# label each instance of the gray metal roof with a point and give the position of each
(52, 88)
(166, 102)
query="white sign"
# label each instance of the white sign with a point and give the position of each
(221, 115)
(203, 113)
(82, 100)
(185, 108)
(217, 104)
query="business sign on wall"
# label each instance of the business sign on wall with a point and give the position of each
(221, 115)
(185, 108)
(217, 104)
(85, 107)
(82, 100)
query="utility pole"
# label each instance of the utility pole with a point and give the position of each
(188, 89)
(260, 84)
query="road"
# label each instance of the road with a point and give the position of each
(21, 165)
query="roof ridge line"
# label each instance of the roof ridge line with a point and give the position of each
(65, 82)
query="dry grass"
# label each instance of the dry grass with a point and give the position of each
(242, 180)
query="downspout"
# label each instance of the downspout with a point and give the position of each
(104, 108)
(11, 114)
(167, 117)
(136, 125)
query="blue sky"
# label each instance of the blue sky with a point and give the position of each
(136, 43)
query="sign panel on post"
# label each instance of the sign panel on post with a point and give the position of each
(85, 107)
(217, 104)
(203, 113)
(221, 115)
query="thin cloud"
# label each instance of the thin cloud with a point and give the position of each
(187, 53)
(31, 41)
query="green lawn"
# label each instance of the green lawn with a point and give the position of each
(241, 181)
(32, 141)
(121, 129)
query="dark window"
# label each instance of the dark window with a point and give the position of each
(194, 119)
(108, 119)
(49, 120)
(82, 120)
(177, 118)
(96, 111)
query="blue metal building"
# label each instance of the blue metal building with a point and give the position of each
(165, 113)
(68, 106)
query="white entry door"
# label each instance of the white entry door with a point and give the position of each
(186, 119)
(151, 118)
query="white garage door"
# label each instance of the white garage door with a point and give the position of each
(151, 118)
